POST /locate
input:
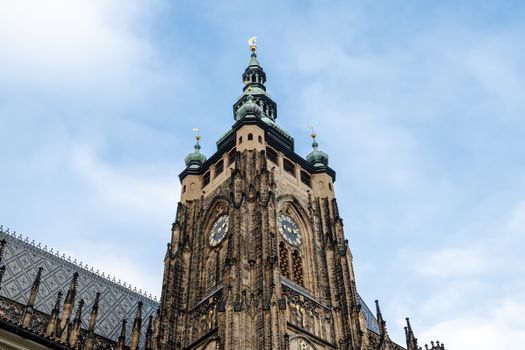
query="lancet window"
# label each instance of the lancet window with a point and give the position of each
(284, 260)
(297, 266)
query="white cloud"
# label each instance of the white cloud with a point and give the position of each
(452, 262)
(502, 326)
(151, 193)
(62, 46)
(516, 222)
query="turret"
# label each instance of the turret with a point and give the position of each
(195, 159)
(317, 158)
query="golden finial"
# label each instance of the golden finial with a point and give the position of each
(252, 43)
(313, 134)
(197, 135)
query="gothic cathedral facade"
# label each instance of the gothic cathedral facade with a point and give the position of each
(258, 257)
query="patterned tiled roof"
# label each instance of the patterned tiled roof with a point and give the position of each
(117, 302)
(371, 321)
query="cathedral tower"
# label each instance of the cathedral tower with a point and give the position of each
(258, 257)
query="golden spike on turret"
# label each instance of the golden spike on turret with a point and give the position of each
(197, 135)
(313, 134)
(252, 44)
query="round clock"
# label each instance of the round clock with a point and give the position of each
(289, 229)
(219, 230)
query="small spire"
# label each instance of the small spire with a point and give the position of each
(51, 326)
(380, 321)
(68, 304)
(28, 314)
(410, 338)
(77, 323)
(122, 339)
(148, 344)
(137, 325)
(2, 272)
(317, 158)
(88, 345)
(3, 242)
(195, 159)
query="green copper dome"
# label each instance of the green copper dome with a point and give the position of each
(195, 159)
(249, 108)
(317, 158)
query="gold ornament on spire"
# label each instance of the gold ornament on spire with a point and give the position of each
(197, 136)
(252, 43)
(313, 134)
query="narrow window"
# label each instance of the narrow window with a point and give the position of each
(250, 137)
(271, 155)
(219, 167)
(240, 139)
(330, 186)
(231, 156)
(297, 265)
(206, 179)
(283, 260)
(184, 189)
(260, 139)
(305, 178)
(211, 272)
(289, 167)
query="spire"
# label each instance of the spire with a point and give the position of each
(2, 268)
(137, 326)
(68, 304)
(411, 339)
(28, 314)
(122, 339)
(2, 248)
(254, 76)
(88, 345)
(51, 326)
(77, 323)
(195, 159)
(317, 158)
(380, 321)
(254, 79)
(149, 334)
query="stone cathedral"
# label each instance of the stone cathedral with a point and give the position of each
(257, 260)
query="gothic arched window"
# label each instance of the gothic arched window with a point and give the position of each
(283, 260)
(297, 265)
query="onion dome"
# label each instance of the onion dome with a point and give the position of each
(195, 159)
(317, 158)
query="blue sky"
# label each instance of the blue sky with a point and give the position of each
(420, 106)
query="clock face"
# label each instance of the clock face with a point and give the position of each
(219, 230)
(289, 229)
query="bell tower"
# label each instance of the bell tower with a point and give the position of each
(258, 257)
